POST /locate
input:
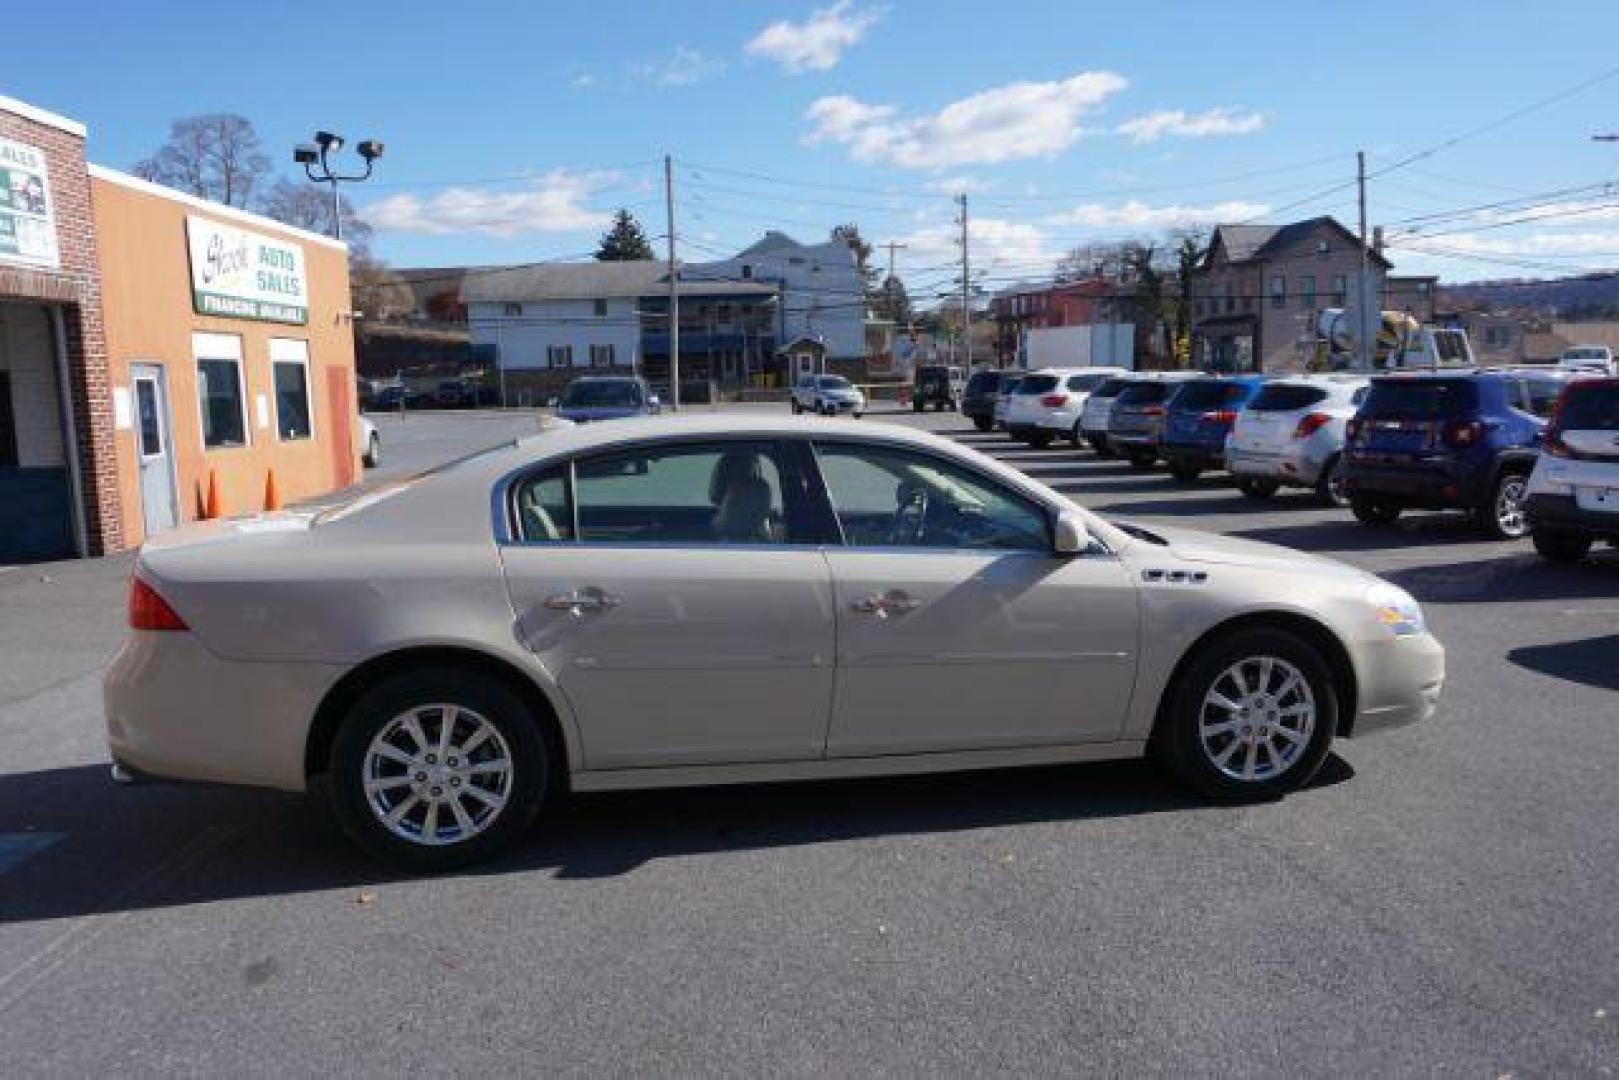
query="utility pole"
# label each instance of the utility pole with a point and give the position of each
(674, 286)
(1364, 346)
(892, 247)
(966, 290)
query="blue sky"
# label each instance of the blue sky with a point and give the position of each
(513, 128)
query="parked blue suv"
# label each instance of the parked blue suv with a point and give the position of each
(1454, 440)
(1198, 419)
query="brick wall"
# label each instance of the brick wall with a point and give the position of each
(76, 287)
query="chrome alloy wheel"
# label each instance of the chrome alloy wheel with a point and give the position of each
(1509, 499)
(437, 775)
(1257, 718)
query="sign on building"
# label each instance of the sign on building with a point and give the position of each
(27, 219)
(239, 274)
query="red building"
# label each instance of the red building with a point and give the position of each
(1038, 307)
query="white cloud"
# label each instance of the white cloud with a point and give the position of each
(1006, 123)
(1529, 246)
(552, 204)
(955, 185)
(684, 68)
(1223, 121)
(817, 43)
(583, 81)
(994, 242)
(1138, 215)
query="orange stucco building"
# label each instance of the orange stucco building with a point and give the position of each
(158, 352)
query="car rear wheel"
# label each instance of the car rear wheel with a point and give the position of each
(1186, 474)
(1103, 450)
(1039, 440)
(438, 768)
(983, 423)
(1503, 516)
(1370, 511)
(1332, 489)
(373, 451)
(917, 405)
(1142, 460)
(1257, 489)
(1252, 716)
(797, 408)
(1559, 545)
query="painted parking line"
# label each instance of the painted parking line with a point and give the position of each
(17, 848)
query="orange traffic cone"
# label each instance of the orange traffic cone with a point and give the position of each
(272, 497)
(211, 510)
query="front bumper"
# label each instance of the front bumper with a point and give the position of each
(1562, 512)
(176, 710)
(1400, 681)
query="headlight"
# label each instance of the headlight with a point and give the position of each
(1396, 609)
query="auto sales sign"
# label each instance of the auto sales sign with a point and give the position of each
(27, 222)
(237, 274)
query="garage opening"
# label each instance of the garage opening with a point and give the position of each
(36, 491)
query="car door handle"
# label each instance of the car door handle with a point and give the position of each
(582, 600)
(882, 605)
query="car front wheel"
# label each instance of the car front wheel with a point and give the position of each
(1252, 717)
(983, 423)
(1332, 488)
(1186, 474)
(1559, 545)
(1503, 516)
(1370, 511)
(1142, 460)
(373, 451)
(1257, 489)
(437, 769)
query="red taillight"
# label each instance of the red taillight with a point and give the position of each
(1463, 433)
(149, 611)
(1220, 416)
(1310, 424)
(1153, 410)
(1052, 401)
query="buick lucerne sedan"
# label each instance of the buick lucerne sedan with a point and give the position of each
(709, 600)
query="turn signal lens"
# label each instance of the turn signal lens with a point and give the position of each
(149, 611)
(1310, 424)
(1221, 416)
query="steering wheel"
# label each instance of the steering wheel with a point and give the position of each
(910, 517)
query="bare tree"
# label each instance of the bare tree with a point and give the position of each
(308, 206)
(216, 156)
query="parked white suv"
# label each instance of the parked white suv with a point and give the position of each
(1573, 496)
(1292, 435)
(1048, 402)
(829, 395)
(1596, 359)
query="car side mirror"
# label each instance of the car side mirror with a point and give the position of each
(1072, 537)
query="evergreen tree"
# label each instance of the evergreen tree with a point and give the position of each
(624, 241)
(892, 302)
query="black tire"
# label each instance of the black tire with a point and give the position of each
(917, 405)
(1372, 511)
(1186, 474)
(1330, 489)
(1103, 450)
(1039, 440)
(1562, 546)
(1502, 516)
(1075, 439)
(983, 423)
(373, 451)
(1257, 489)
(797, 408)
(1177, 740)
(533, 773)
(1142, 460)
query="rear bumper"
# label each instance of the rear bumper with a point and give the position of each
(1401, 680)
(1417, 484)
(175, 710)
(1294, 467)
(1193, 454)
(1562, 512)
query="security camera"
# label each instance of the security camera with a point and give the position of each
(329, 142)
(305, 154)
(370, 149)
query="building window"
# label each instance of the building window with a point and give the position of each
(559, 356)
(513, 310)
(220, 393)
(601, 355)
(289, 367)
(1307, 292)
(1340, 290)
(1278, 291)
(1230, 299)
(600, 306)
(747, 272)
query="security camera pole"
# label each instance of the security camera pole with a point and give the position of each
(311, 154)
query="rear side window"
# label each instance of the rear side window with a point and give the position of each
(1145, 393)
(1281, 397)
(1037, 384)
(1110, 388)
(1084, 384)
(984, 382)
(1421, 399)
(1208, 395)
(1590, 407)
(1541, 395)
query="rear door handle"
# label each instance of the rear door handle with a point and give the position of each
(884, 604)
(580, 601)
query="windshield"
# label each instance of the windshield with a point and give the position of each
(1037, 384)
(1209, 395)
(1590, 406)
(1085, 383)
(602, 394)
(1010, 386)
(833, 382)
(1586, 353)
(1420, 399)
(1146, 393)
(1285, 397)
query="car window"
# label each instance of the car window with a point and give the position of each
(1590, 406)
(1358, 398)
(1109, 388)
(1287, 397)
(1208, 395)
(1542, 395)
(1421, 399)
(1084, 384)
(834, 382)
(602, 394)
(717, 493)
(983, 382)
(1037, 384)
(884, 497)
(1145, 393)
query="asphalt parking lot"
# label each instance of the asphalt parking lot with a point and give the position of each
(1442, 899)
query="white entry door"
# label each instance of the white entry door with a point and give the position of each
(153, 446)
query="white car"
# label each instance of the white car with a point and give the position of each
(1573, 495)
(731, 599)
(829, 395)
(1292, 435)
(1594, 359)
(370, 442)
(1094, 414)
(1048, 402)
(1003, 397)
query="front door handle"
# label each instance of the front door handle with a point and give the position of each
(580, 601)
(884, 604)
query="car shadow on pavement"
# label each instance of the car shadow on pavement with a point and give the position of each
(107, 849)
(1347, 534)
(1589, 661)
(1511, 578)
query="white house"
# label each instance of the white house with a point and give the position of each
(822, 295)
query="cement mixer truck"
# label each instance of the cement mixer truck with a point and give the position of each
(1399, 341)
